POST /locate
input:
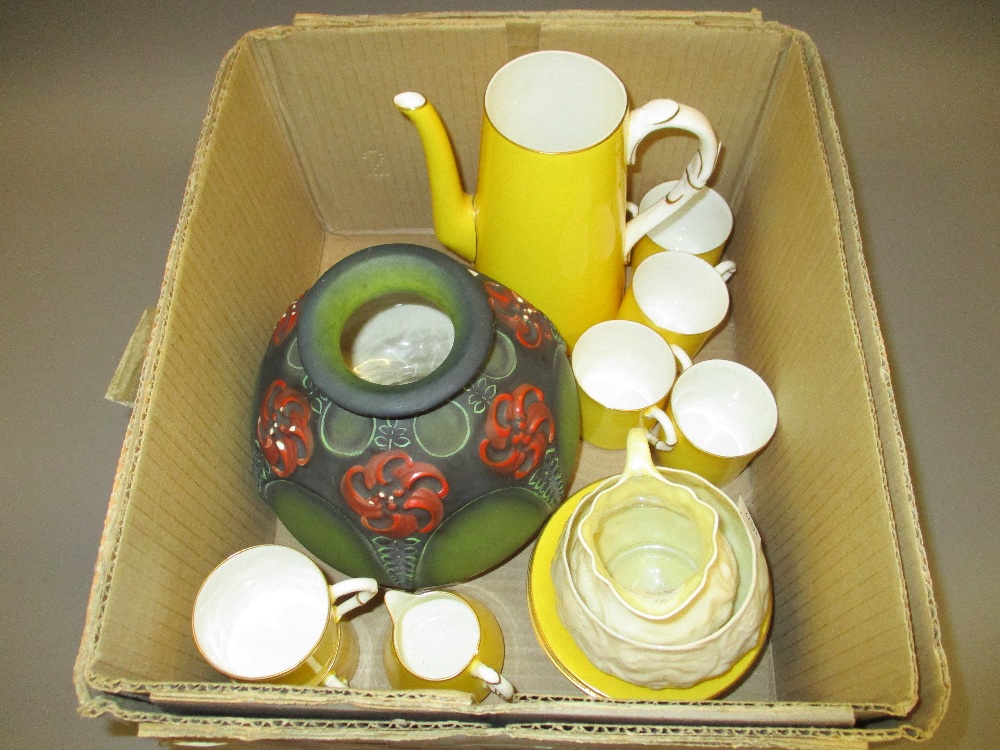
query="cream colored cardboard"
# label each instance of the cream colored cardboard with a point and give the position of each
(124, 383)
(799, 336)
(303, 160)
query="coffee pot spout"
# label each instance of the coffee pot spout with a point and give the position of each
(454, 214)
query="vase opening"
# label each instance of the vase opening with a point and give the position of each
(394, 330)
(396, 339)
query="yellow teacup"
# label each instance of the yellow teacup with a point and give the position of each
(723, 415)
(624, 371)
(444, 641)
(700, 227)
(679, 296)
(267, 614)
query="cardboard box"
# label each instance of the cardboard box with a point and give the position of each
(302, 160)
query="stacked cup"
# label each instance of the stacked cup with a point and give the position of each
(658, 576)
(711, 418)
(700, 227)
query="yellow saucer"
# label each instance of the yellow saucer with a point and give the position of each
(558, 643)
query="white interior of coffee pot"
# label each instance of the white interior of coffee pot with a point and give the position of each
(555, 101)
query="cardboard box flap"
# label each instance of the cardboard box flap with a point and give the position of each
(271, 734)
(740, 19)
(843, 577)
(278, 700)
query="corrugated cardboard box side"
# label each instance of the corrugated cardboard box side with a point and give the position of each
(303, 159)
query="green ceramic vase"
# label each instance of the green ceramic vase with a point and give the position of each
(416, 421)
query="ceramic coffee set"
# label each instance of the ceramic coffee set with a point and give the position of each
(418, 421)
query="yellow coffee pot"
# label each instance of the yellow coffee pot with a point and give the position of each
(548, 216)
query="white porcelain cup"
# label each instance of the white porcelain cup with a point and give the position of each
(700, 227)
(624, 371)
(679, 296)
(723, 414)
(268, 614)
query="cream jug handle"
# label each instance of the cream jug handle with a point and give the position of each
(495, 681)
(638, 459)
(659, 114)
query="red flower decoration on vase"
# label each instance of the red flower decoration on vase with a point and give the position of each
(395, 495)
(519, 429)
(283, 431)
(286, 324)
(525, 321)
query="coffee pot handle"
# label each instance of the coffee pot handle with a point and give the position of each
(660, 114)
(495, 681)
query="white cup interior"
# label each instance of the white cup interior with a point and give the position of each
(623, 365)
(724, 408)
(437, 638)
(261, 612)
(700, 225)
(680, 292)
(555, 101)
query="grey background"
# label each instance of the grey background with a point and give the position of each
(100, 109)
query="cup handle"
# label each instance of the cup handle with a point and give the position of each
(669, 432)
(362, 588)
(683, 359)
(657, 115)
(726, 269)
(495, 681)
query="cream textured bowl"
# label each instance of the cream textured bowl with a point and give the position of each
(683, 665)
(648, 558)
